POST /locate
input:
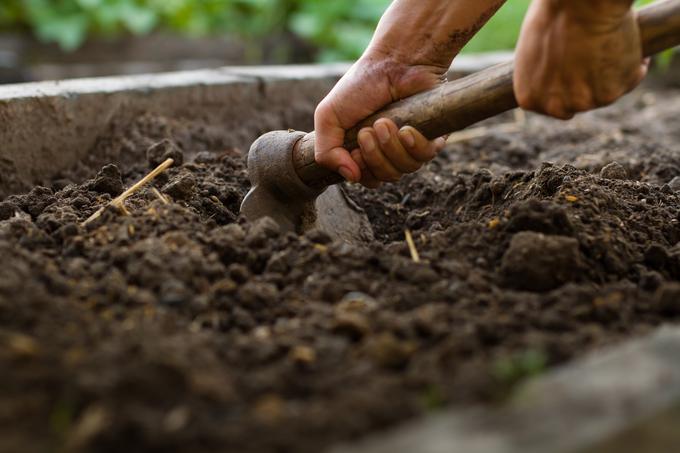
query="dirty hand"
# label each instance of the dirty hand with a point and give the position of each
(577, 55)
(411, 51)
(386, 152)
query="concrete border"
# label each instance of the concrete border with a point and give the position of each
(46, 127)
(572, 408)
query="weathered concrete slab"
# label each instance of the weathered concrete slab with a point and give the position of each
(578, 407)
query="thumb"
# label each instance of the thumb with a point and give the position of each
(328, 149)
(339, 160)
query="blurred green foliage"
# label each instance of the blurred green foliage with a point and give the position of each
(340, 29)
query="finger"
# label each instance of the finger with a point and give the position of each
(554, 106)
(418, 146)
(341, 161)
(581, 99)
(641, 74)
(367, 178)
(393, 148)
(375, 160)
(328, 149)
(439, 144)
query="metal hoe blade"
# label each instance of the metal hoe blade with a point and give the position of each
(280, 194)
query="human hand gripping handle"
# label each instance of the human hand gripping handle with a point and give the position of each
(455, 105)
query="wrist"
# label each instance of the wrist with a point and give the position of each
(409, 52)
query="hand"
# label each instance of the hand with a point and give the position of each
(577, 55)
(386, 153)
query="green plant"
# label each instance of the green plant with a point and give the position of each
(340, 29)
(514, 369)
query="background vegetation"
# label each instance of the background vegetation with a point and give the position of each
(340, 29)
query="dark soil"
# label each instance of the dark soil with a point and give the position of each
(183, 328)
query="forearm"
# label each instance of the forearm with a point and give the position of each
(430, 32)
(591, 10)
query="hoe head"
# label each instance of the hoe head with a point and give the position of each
(278, 192)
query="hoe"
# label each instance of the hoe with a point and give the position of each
(289, 186)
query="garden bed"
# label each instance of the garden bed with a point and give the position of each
(181, 327)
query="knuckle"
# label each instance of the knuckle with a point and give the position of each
(555, 107)
(322, 112)
(580, 103)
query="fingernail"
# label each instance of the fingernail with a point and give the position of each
(407, 137)
(383, 133)
(366, 141)
(440, 143)
(346, 173)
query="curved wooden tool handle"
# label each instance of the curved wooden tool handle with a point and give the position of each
(458, 104)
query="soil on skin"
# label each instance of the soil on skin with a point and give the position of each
(183, 328)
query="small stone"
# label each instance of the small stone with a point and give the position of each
(303, 355)
(614, 171)
(108, 180)
(356, 302)
(675, 184)
(160, 152)
(352, 325)
(174, 294)
(181, 187)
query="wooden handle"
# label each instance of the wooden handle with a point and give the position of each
(458, 104)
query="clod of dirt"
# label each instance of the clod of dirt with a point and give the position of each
(656, 256)
(7, 210)
(388, 351)
(263, 229)
(108, 180)
(668, 299)
(537, 262)
(541, 217)
(160, 152)
(181, 187)
(614, 171)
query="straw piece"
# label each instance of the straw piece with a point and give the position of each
(412, 246)
(120, 199)
(159, 195)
